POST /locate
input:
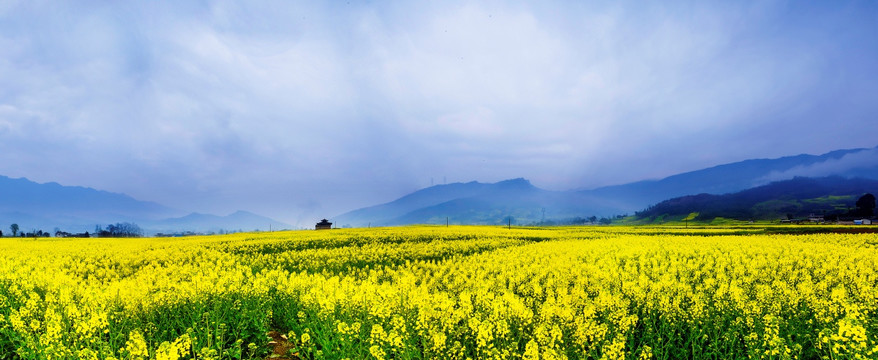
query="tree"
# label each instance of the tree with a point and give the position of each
(691, 216)
(508, 220)
(866, 205)
(14, 228)
(119, 230)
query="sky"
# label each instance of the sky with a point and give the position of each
(304, 110)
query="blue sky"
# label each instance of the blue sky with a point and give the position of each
(302, 110)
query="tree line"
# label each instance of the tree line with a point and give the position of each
(578, 220)
(123, 229)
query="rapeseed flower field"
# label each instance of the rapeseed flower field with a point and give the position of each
(444, 293)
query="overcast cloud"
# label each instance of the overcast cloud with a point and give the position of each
(305, 110)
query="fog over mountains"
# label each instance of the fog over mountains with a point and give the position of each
(70, 208)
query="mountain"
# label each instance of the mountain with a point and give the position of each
(46, 206)
(422, 198)
(35, 206)
(77, 209)
(480, 203)
(798, 197)
(476, 203)
(50, 199)
(741, 175)
(240, 220)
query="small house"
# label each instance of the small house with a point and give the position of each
(323, 225)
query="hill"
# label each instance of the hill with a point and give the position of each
(796, 198)
(742, 175)
(204, 223)
(35, 206)
(76, 209)
(481, 203)
(477, 203)
(46, 206)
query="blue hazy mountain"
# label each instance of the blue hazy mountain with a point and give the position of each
(71, 208)
(477, 203)
(481, 203)
(46, 206)
(35, 206)
(741, 175)
(237, 221)
(50, 199)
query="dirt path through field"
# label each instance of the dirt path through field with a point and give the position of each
(280, 347)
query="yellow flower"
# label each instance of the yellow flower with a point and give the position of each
(136, 345)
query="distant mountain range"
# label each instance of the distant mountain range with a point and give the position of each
(796, 198)
(203, 223)
(35, 206)
(480, 203)
(75, 209)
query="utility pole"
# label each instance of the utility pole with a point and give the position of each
(446, 221)
(509, 224)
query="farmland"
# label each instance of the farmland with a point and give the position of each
(445, 292)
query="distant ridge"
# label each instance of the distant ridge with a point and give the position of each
(23, 195)
(742, 175)
(476, 203)
(798, 197)
(35, 206)
(237, 221)
(73, 208)
(481, 203)
(422, 198)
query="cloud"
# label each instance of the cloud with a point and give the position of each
(297, 108)
(849, 164)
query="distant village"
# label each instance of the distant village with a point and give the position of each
(820, 219)
(862, 214)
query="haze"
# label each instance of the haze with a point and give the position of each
(303, 110)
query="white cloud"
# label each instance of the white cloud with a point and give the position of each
(866, 159)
